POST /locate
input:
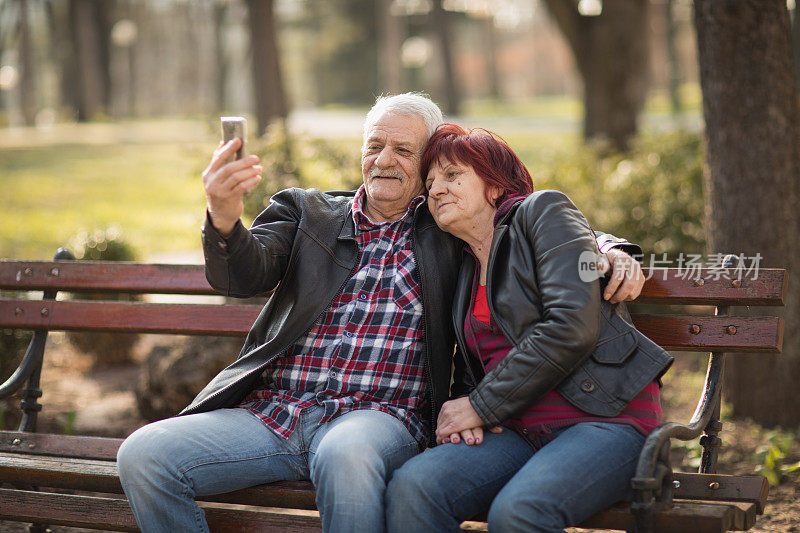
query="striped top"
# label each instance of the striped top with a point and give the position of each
(486, 341)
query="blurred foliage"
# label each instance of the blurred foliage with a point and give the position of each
(300, 162)
(652, 195)
(13, 343)
(108, 349)
(773, 455)
(102, 245)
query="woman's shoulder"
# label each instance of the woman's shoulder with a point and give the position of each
(546, 202)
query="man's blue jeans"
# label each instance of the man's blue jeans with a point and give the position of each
(581, 470)
(164, 465)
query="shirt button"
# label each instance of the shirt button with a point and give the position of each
(348, 334)
(587, 386)
(333, 373)
(362, 296)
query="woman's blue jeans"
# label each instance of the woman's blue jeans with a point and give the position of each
(164, 465)
(581, 470)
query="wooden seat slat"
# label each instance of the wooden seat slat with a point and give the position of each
(672, 285)
(697, 517)
(696, 486)
(97, 477)
(114, 513)
(101, 476)
(100, 448)
(673, 332)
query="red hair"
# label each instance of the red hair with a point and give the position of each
(489, 156)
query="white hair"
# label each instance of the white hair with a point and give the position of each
(415, 104)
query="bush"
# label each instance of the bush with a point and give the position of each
(108, 349)
(652, 195)
(300, 162)
(13, 343)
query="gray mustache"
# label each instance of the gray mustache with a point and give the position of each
(388, 173)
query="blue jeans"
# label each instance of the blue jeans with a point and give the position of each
(581, 470)
(164, 465)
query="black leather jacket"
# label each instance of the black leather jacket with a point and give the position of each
(565, 336)
(303, 246)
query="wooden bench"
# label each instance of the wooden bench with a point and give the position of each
(72, 480)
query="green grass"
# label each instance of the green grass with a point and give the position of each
(151, 192)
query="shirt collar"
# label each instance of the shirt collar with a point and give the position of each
(362, 221)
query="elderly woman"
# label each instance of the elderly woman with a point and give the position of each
(566, 386)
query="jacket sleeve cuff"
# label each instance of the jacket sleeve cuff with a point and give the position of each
(633, 250)
(480, 408)
(213, 239)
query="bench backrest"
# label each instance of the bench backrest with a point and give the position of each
(692, 327)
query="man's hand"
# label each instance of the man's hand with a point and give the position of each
(456, 416)
(626, 280)
(227, 183)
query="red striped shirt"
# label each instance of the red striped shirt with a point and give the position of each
(486, 341)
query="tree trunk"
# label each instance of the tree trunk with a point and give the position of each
(87, 43)
(490, 34)
(268, 82)
(796, 43)
(27, 81)
(220, 11)
(391, 34)
(441, 29)
(751, 114)
(611, 53)
(674, 81)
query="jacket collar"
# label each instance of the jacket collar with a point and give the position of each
(505, 208)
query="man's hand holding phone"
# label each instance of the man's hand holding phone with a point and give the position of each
(227, 178)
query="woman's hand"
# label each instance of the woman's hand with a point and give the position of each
(469, 436)
(456, 416)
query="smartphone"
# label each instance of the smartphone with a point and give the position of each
(233, 127)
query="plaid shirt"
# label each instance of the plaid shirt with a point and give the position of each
(367, 350)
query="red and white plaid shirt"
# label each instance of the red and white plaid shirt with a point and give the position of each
(367, 350)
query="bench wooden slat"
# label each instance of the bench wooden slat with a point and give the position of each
(677, 286)
(728, 488)
(753, 334)
(100, 448)
(101, 476)
(104, 276)
(697, 517)
(763, 334)
(184, 319)
(115, 514)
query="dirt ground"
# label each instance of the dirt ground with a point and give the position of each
(83, 399)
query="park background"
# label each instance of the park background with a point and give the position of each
(670, 122)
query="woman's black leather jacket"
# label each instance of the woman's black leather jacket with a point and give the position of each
(548, 303)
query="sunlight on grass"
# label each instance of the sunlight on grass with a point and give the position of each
(151, 192)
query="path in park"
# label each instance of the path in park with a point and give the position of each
(329, 124)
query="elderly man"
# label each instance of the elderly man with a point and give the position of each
(343, 373)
